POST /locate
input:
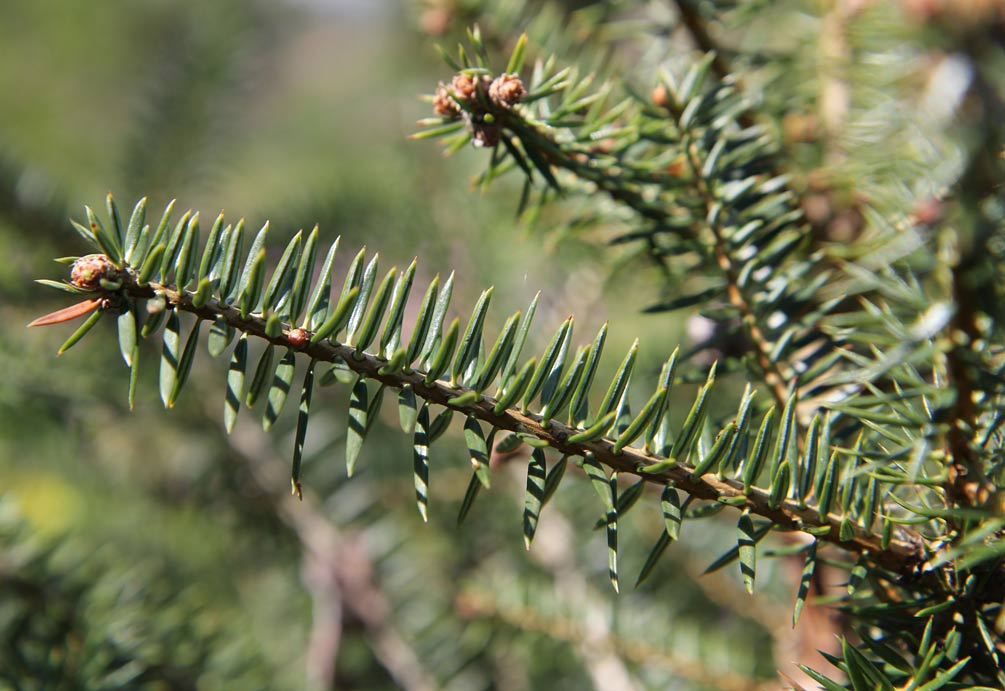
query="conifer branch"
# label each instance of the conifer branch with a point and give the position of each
(896, 337)
(901, 555)
(631, 160)
(772, 374)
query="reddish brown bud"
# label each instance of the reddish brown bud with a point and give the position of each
(443, 104)
(928, 211)
(507, 90)
(660, 96)
(465, 87)
(88, 271)
(298, 338)
(676, 167)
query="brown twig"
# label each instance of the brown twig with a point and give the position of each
(772, 374)
(692, 20)
(338, 573)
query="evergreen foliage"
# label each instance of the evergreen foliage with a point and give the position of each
(868, 434)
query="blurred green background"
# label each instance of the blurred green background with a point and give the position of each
(146, 549)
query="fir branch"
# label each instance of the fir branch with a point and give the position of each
(901, 555)
(772, 374)
(625, 154)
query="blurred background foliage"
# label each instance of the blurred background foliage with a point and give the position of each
(159, 553)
